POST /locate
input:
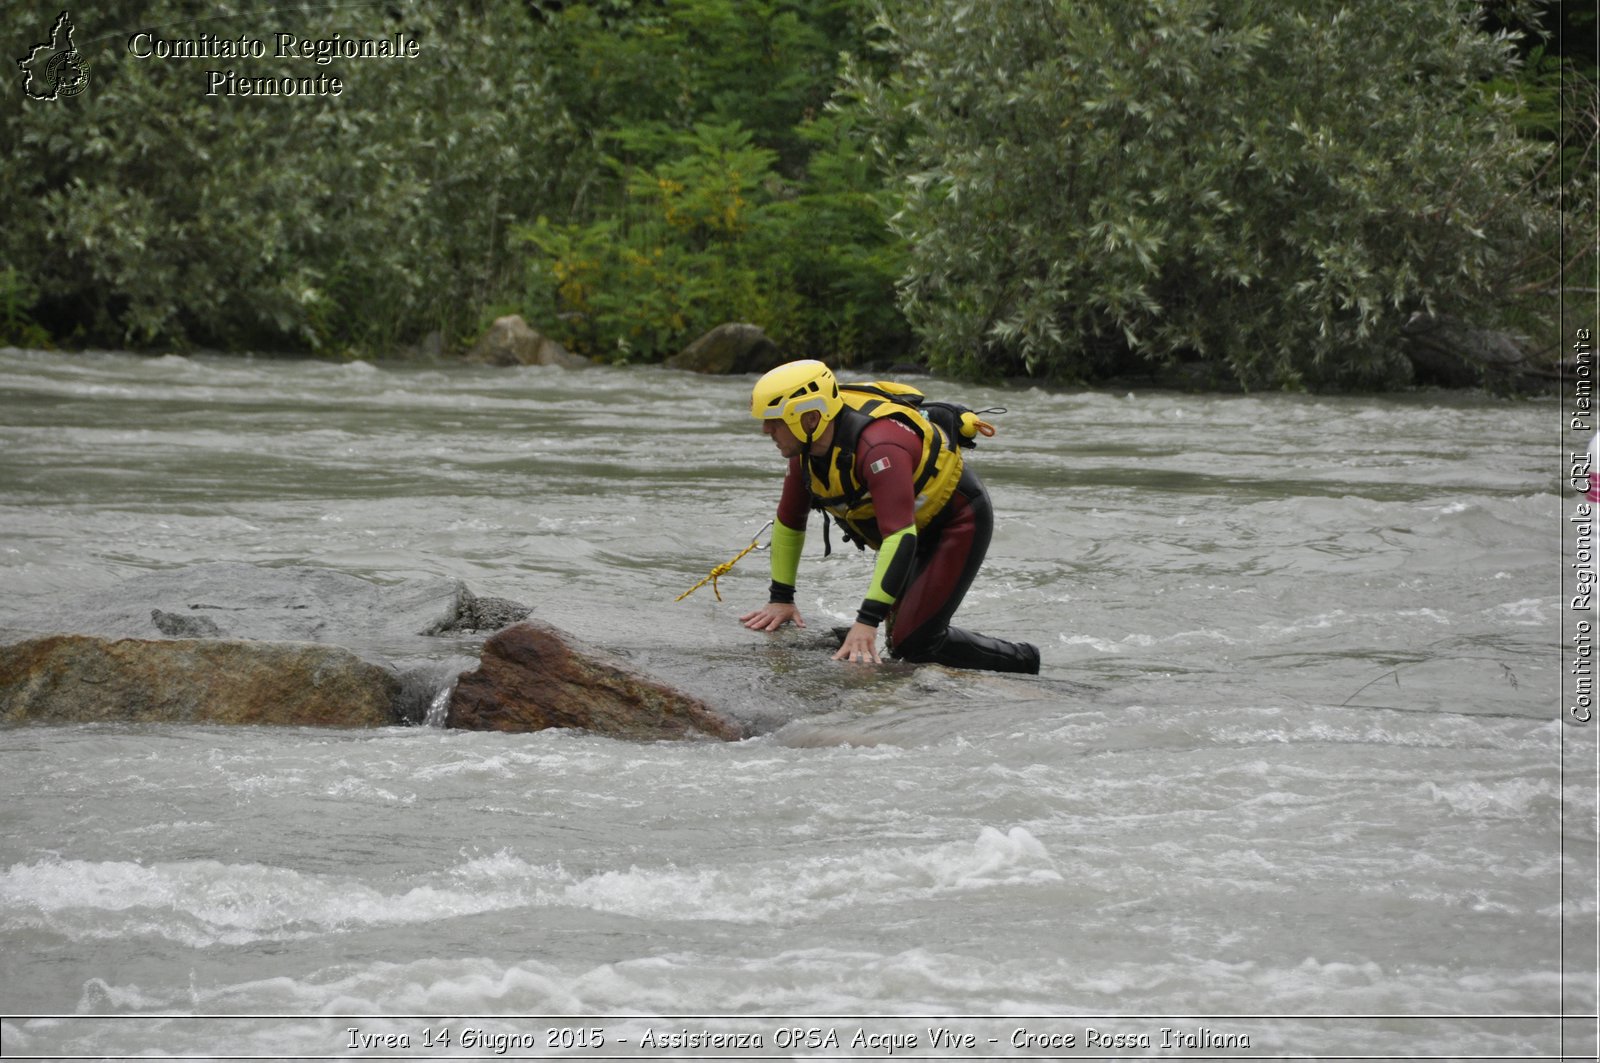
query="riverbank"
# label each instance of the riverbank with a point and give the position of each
(1439, 353)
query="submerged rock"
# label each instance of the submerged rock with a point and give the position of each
(241, 643)
(474, 614)
(83, 679)
(532, 676)
(234, 600)
(1448, 352)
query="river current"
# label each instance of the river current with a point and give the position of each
(1296, 779)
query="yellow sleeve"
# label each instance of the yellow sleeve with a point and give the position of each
(785, 550)
(889, 576)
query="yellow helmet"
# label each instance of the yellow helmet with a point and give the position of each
(794, 389)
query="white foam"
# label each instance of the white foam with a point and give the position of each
(1529, 612)
(204, 902)
(790, 891)
(1508, 799)
(1139, 640)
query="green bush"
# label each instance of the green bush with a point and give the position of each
(1559, 266)
(678, 257)
(730, 192)
(147, 214)
(712, 234)
(18, 295)
(1066, 189)
(150, 214)
(1271, 188)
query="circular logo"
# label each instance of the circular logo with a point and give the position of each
(66, 74)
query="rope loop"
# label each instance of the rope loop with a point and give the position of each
(724, 568)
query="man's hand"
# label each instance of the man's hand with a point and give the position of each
(772, 616)
(860, 644)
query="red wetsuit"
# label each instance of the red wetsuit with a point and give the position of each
(948, 554)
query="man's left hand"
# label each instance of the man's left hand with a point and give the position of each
(860, 644)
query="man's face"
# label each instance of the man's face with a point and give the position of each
(782, 436)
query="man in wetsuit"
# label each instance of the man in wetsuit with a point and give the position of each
(894, 481)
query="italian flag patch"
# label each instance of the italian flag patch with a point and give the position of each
(878, 466)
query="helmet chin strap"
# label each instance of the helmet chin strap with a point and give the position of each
(811, 436)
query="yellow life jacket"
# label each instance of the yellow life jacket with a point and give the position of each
(835, 488)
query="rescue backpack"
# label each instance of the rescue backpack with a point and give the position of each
(961, 424)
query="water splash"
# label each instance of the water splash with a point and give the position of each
(439, 707)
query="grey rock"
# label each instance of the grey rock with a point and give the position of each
(730, 348)
(1445, 351)
(177, 626)
(243, 601)
(512, 341)
(474, 614)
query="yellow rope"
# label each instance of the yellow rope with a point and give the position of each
(724, 568)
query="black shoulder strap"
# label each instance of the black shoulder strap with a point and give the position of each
(848, 426)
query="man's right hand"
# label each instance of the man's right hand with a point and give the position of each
(772, 616)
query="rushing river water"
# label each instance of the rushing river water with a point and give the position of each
(1294, 780)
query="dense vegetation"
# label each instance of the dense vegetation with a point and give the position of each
(1068, 190)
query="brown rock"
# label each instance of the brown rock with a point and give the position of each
(532, 676)
(729, 348)
(511, 341)
(82, 679)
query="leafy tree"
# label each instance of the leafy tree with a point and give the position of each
(842, 258)
(713, 234)
(146, 212)
(678, 256)
(672, 143)
(1272, 188)
(1557, 84)
(641, 73)
(729, 192)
